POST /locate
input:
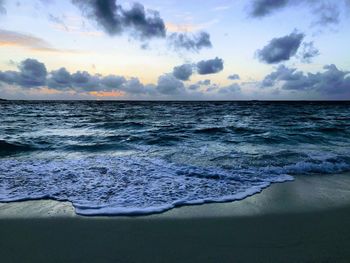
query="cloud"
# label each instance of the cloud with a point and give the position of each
(144, 25)
(11, 38)
(199, 84)
(60, 79)
(328, 13)
(59, 21)
(204, 67)
(210, 66)
(113, 82)
(32, 73)
(85, 81)
(282, 73)
(2, 8)
(281, 49)
(234, 77)
(134, 86)
(147, 25)
(34, 81)
(233, 88)
(325, 12)
(194, 87)
(189, 41)
(169, 85)
(114, 19)
(8, 77)
(331, 81)
(308, 52)
(183, 72)
(205, 82)
(261, 8)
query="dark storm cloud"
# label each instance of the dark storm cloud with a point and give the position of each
(308, 52)
(331, 81)
(32, 73)
(261, 8)
(183, 72)
(114, 19)
(281, 49)
(190, 42)
(210, 66)
(234, 77)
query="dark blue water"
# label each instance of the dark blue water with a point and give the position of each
(146, 157)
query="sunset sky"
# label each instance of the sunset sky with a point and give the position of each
(175, 49)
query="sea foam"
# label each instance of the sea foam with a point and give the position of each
(132, 185)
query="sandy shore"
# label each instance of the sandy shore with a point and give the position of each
(303, 221)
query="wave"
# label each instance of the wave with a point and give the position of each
(211, 130)
(332, 130)
(227, 129)
(8, 148)
(182, 152)
(98, 147)
(120, 125)
(134, 185)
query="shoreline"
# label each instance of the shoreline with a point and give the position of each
(304, 194)
(307, 220)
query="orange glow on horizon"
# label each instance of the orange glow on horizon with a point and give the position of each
(107, 93)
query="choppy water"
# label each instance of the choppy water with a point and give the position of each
(146, 157)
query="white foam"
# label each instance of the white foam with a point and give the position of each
(108, 185)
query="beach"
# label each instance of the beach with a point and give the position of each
(174, 131)
(307, 220)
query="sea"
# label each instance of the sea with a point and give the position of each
(136, 158)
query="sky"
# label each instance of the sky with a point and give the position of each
(175, 49)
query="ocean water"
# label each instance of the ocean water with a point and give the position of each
(113, 158)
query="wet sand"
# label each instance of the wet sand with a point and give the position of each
(307, 220)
